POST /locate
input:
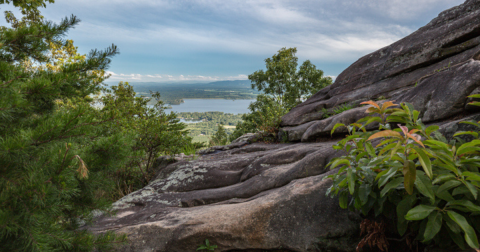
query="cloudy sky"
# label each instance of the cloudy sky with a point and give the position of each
(165, 40)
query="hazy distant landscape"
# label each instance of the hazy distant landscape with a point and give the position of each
(175, 93)
(203, 105)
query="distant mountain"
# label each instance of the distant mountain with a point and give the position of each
(174, 93)
(216, 84)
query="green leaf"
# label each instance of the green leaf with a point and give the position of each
(435, 143)
(472, 189)
(386, 177)
(456, 237)
(430, 129)
(468, 150)
(424, 186)
(409, 176)
(363, 191)
(442, 178)
(424, 161)
(419, 212)
(380, 174)
(470, 236)
(474, 96)
(402, 209)
(416, 113)
(391, 185)
(370, 149)
(462, 147)
(387, 148)
(476, 124)
(448, 185)
(472, 175)
(340, 161)
(336, 126)
(351, 180)
(374, 119)
(465, 203)
(461, 190)
(343, 200)
(434, 225)
(472, 133)
(445, 195)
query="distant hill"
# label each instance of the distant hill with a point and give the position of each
(174, 93)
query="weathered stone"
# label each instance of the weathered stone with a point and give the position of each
(248, 138)
(238, 199)
(435, 68)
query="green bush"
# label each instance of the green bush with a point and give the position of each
(430, 183)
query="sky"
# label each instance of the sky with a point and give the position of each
(210, 40)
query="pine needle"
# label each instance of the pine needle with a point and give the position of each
(82, 168)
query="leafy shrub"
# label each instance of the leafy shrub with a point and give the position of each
(207, 246)
(150, 130)
(430, 183)
(337, 110)
(341, 108)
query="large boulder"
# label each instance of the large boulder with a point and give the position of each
(435, 68)
(261, 196)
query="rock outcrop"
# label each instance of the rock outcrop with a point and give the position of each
(262, 196)
(434, 68)
(258, 196)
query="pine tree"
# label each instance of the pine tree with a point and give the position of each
(220, 137)
(59, 155)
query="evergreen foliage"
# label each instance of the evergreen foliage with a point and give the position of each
(62, 159)
(220, 137)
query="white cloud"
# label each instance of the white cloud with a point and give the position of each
(161, 78)
(161, 30)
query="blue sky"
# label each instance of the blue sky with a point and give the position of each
(208, 40)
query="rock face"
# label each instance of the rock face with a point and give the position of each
(261, 196)
(256, 197)
(434, 68)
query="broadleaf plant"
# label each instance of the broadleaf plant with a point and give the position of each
(430, 182)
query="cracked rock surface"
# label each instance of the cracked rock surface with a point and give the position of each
(262, 196)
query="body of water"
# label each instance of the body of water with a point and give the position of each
(208, 105)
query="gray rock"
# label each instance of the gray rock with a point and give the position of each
(248, 138)
(435, 68)
(262, 196)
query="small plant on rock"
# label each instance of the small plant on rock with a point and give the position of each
(207, 246)
(431, 184)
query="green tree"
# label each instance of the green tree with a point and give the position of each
(284, 86)
(284, 82)
(153, 133)
(60, 157)
(220, 137)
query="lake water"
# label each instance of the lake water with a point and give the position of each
(208, 105)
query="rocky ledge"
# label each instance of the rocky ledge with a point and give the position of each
(258, 196)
